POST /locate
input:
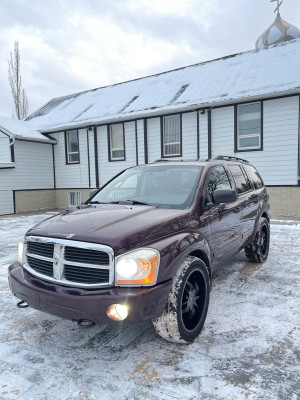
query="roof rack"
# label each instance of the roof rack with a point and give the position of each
(231, 158)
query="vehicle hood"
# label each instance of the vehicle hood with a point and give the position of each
(114, 225)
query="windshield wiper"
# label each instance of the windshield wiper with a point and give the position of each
(132, 202)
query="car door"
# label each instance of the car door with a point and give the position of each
(247, 197)
(224, 219)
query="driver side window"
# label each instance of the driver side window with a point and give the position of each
(218, 179)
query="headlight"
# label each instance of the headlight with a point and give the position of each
(20, 251)
(137, 268)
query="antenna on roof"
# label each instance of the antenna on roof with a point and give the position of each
(278, 5)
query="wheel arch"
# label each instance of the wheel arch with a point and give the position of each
(202, 256)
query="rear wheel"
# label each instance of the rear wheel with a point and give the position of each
(258, 250)
(185, 312)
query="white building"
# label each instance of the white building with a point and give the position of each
(245, 105)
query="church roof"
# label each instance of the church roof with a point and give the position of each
(254, 74)
(280, 31)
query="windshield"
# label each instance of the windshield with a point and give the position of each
(163, 186)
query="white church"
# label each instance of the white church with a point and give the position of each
(245, 105)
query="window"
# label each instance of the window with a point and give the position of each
(249, 127)
(254, 176)
(72, 147)
(74, 199)
(218, 179)
(116, 142)
(242, 182)
(171, 136)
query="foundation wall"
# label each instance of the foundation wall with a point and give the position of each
(39, 200)
(284, 201)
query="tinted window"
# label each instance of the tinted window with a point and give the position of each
(242, 182)
(254, 176)
(218, 179)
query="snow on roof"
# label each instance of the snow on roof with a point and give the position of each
(22, 130)
(256, 73)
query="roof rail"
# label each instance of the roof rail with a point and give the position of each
(231, 158)
(160, 160)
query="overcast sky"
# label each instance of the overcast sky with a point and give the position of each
(69, 46)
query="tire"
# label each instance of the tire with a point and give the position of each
(258, 250)
(186, 309)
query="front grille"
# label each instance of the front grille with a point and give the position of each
(86, 275)
(86, 256)
(41, 249)
(41, 266)
(69, 262)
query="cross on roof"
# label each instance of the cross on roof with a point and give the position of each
(278, 5)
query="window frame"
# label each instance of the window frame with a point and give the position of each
(237, 148)
(66, 134)
(162, 134)
(110, 148)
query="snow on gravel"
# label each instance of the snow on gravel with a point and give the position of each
(249, 348)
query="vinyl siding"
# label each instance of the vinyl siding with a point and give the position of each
(141, 142)
(203, 128)
(33, 167)
(4, 149)
(108, 169)
(6, 202)
(189, 136)
(278, 162)
(71, 175)
(154, 139)
(222, 127)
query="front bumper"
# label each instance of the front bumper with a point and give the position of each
(76, 304)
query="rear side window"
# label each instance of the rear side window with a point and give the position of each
(242, 182)
(254, 176)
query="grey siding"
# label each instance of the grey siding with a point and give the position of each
(278, 162)
(203, 140)
(6, 202)
(141, 142)
(189, 136)
(154, 139)
(107, 169)
(222, 127)
(71, 175)
(4, 148)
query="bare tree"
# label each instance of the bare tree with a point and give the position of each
(15, 82)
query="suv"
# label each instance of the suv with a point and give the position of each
(145, 245)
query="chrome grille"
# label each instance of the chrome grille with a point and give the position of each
(68, 262)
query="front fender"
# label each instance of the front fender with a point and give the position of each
(174, 249)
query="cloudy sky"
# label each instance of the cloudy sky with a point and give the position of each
(72, 45)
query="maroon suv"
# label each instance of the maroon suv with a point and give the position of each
(145, 245)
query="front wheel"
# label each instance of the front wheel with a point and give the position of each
(186, 309)
(258, 250)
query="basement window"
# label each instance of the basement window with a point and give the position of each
(72, 147)
(249, 127)
(171, 136)
(74, 199)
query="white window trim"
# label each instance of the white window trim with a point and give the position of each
(252, 135)
(111, 149)
(171, 143)
(72, 152)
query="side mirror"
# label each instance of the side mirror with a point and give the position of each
(225, 196)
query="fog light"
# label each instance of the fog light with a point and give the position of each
(117, 312)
